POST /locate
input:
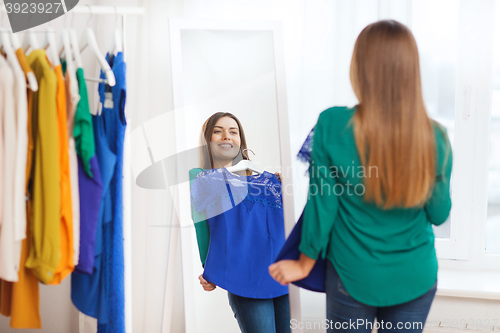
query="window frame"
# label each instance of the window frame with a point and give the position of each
(465, 249)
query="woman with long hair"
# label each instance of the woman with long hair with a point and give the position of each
(239, 227)
(379, 179)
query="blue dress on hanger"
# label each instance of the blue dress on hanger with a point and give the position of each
(245, 219)
(113, 114)
(88, 291)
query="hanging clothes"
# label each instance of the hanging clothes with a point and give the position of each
(101, 294)
(89, 178)
(10, 235)
(88, 292)
(7, 103)
(113, 100)
(21, 147)
(44, 254)
(82, 131)
(7, 290)
(21, 300)
(8, 266)
(72, 99)
(66, 264)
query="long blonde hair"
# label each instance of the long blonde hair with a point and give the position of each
(391, 126)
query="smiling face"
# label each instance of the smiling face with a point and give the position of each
(225, 142)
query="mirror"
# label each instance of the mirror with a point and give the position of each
(231, 67)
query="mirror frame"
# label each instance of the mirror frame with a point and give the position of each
(182, 195)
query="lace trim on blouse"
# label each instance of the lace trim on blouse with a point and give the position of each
(219, 188)
(304, 154)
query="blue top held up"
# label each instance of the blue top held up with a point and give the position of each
(245, 219)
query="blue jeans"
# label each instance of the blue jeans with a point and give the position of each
(270, 315)
(343, 311)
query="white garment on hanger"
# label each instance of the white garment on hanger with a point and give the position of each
(8, 265)
(21, 153)
(72, 98)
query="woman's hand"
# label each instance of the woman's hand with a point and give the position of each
(207, 286)
(287, 271)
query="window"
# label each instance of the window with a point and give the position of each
(461, 88)
(435, 27)
(493, 212)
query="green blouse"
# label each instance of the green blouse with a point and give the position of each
(83, 130)
(383, 257)
(200, 223)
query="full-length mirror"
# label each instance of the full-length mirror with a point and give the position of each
(231, 211)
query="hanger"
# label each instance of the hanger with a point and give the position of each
(64, 51)
(65, 36)
(50, 45)
(75, 48)
(6, 43)
(31, 43)
(92, 42)
(117, 37)
(246, 165)
(30, 76)
(10, 52)
(108, 72)
(2, 31)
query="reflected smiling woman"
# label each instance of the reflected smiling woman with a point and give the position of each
(239, 228)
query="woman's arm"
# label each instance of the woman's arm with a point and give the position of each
(322, 202)
(319, 214)
(200, 223)
(207, 286)
(287, 271)
(438, 206)
(203, 238)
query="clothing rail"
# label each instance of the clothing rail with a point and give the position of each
(95, 10)
(99, 10)
(127, 216)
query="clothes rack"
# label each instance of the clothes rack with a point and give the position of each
(127, 219)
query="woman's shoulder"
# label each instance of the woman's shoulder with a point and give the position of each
(443, 146)
(200, 172)
(335, 119)
(337, 112)
(437, 126)
(440, 132)
(337, 115)
(194, 172)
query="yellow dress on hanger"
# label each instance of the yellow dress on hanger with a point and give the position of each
(44, 255)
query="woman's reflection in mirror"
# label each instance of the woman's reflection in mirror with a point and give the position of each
(239, 231)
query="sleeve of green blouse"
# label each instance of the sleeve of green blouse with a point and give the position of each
(203, 238)
(322, 203)
(200, 224)
(438, 206)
